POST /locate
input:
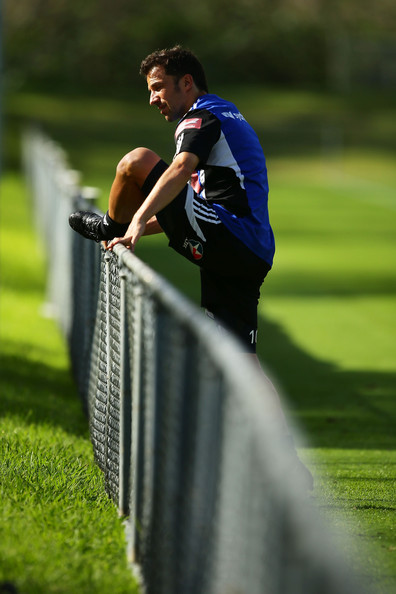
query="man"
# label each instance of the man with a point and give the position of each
(212, 201)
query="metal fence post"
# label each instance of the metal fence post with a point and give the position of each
(136, 374)
(125, 404)
(107, 257)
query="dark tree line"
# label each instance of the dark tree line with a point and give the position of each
(100, 43)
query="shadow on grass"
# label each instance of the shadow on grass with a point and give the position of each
(39, 394)
(335, 408)
(287, 123)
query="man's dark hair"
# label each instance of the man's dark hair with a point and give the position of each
(177, 62)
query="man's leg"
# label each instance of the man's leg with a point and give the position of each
(125, 198)
(126, 195)
(233, 305)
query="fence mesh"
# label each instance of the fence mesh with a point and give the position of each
(178, 421)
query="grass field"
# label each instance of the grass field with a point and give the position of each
(59, 532)
(328, 308)
(329, 335)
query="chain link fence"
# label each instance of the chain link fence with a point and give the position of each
(177, 419)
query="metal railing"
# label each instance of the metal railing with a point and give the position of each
(179, 420)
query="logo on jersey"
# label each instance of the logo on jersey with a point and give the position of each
(179, 143)
(233, 115)
(196, 249)
(189, 123)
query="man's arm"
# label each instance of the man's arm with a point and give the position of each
(153, 227)
(171, 182)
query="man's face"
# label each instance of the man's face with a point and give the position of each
(167, 94)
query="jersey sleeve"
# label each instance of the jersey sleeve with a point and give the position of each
(197, 133)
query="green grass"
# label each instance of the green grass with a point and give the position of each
(328, 308)
(59, 532)
(355, 492)
(328, 316)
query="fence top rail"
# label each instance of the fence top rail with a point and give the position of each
(250, 387)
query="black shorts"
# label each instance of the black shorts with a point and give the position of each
(231, 274)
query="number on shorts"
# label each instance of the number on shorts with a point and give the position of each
(253, 336)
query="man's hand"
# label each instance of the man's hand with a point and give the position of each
(134, 232)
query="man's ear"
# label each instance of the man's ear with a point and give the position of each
(188, 82)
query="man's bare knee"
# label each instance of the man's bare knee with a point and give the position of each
(137, 164)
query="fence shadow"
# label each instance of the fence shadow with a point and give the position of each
(40, 394)
(335, 408)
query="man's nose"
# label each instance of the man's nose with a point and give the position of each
(153, 97)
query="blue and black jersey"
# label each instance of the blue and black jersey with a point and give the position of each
(230, 184)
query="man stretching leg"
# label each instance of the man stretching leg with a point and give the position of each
(211, 201)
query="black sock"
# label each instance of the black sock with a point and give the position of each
(111, 228)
